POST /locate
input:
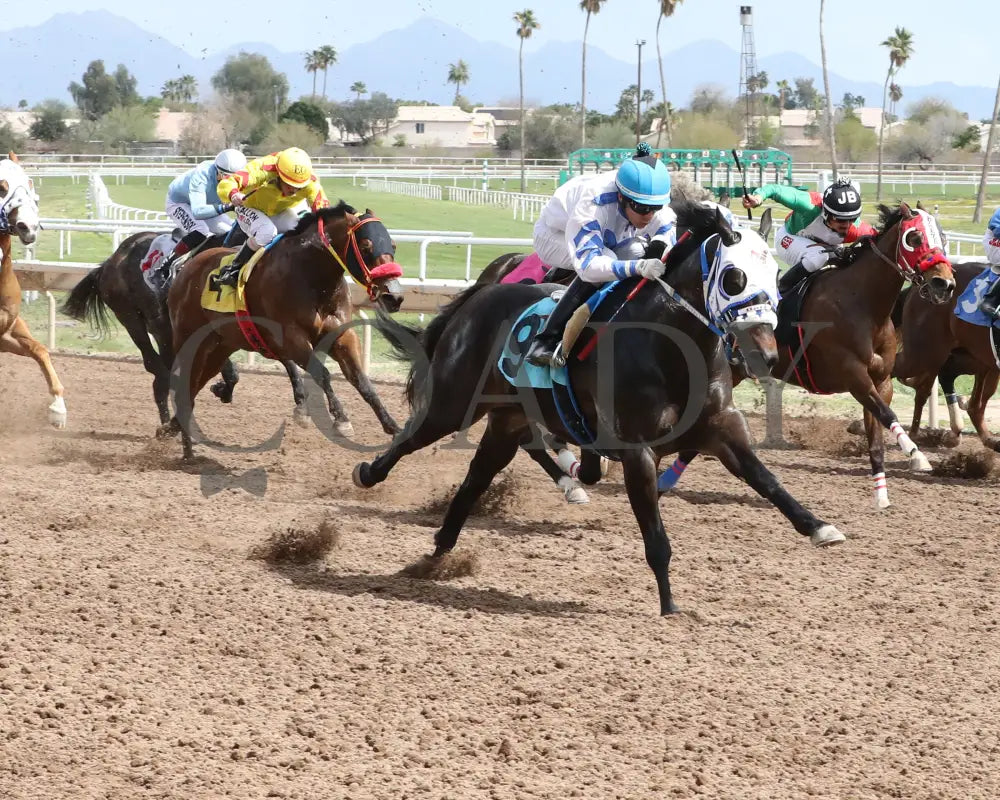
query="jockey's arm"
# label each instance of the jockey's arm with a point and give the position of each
(315, 196)
(253, 177)
(198, 199)
(858, 230)
(594, 262)
(788, 196)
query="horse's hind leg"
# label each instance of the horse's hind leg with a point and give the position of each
(301, 413)
(922, 386)
(19, 341)
(347, 352)
(639, 468)
(230, 377)
(982, 391)
(496, 450)
(572, 491)
(732, 447)
(669, 477)
(946, 377)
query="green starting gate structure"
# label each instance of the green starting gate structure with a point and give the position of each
(713, 169)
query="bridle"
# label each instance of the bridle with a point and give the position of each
(352, 260)
(915, 273)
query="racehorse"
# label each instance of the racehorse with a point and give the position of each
(659, 383)
(118, 284)
(845, 340)
(19, 215)
(298, 300)
(937, 343)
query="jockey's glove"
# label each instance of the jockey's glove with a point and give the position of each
(815, 257)
(651, 268)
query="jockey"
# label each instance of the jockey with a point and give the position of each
(991, 244)
(817, 225)
(189, 205)
(265, 194)
(598, 226)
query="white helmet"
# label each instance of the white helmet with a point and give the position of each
(230, 161)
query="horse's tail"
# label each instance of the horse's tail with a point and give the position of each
(897, 309)
(403, 337)
(86, 304)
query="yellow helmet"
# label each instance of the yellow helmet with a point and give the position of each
(294, 167)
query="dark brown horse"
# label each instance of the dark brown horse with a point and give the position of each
(299, 300)
(19, 215)
(845, 337)
(936, 343)
(659, 383)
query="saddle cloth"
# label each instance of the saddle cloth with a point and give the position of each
(225, 298)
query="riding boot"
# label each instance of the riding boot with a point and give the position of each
(230, 273)
(792, 277)
(991, 300)
(547, 339)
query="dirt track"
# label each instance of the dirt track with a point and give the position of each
(143, 654)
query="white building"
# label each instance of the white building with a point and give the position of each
(442, 126)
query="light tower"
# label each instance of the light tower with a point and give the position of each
(748, 68)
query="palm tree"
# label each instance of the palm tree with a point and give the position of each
(667, 9)
(313, 66)
(187, 87)
(784, 90)
(900, 46)
(359, 88)
(895, 95)
(327, 55)
(458, 74)
(526, 24)
(591, 7)
(170, 91)
(826, 88)
(990, 138)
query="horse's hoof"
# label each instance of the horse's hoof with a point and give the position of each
(576, 496)
(605, 466)
(344, 428)
(223, 391)
(963, 402)
(57, 412)
(882, 502)
(168, 430)
(360, 475)
(669, 609)
(826, 535)
(919, 462)
(301, 416)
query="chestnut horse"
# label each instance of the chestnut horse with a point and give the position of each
(19, 215)
(846, 339)
(936, 343)
(300, 304)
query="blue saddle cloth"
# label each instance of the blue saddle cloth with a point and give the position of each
(521, 373)
(967, 306)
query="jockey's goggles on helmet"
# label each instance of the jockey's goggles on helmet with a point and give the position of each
(641, 209)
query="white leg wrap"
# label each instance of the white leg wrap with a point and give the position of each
(956, 420)
(568, 462)
(57, 412)
(572, 491)
(881, 490)
(905, 442)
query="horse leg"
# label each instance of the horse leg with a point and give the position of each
(875, 400)
(922, 388)
(301, 413)
(19, 341)
(639, 468)
(160, 328)
(230, 377)
(207, 362)
(152, 361)
(496, 450)
(669, 477)
(982, 391)
(946, 377)
(732, 448)
(347, 352)
(562, 474)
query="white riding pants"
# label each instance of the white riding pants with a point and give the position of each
(181, 214)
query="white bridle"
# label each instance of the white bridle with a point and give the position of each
(20, 196)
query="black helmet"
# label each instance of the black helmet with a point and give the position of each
(841, 200)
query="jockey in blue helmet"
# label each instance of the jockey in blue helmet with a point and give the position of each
(600, 226)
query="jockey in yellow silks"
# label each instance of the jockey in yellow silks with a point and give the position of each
(266, 195)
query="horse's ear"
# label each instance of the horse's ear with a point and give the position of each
(4, 188)
(369, 212)
(728, 236)
(907, 211)
(764, 229)
(12, 155)
(920, 205)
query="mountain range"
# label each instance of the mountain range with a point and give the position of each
(411, 64)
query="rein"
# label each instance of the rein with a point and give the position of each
(906, 271)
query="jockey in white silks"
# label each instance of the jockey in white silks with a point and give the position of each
(193, 203)
(991, 244)
(591, 224)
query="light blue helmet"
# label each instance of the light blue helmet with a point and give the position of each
(644, 180)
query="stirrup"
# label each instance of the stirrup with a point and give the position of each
(558, 360)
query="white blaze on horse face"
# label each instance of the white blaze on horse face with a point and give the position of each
(20, 197)
(751, 255)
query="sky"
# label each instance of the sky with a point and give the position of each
(953, 41)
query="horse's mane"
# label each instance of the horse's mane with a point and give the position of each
(888, 218)
(338, 211)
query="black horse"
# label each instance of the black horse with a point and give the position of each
(659, 383)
